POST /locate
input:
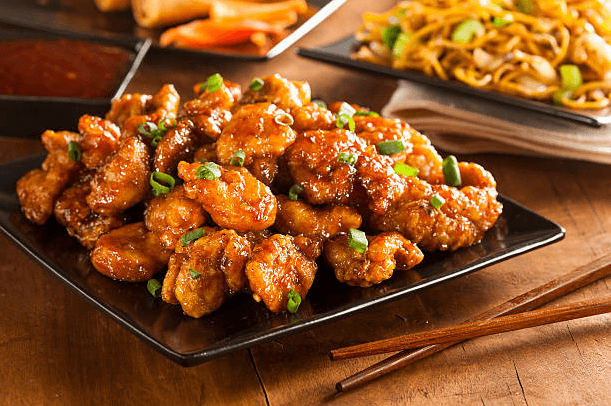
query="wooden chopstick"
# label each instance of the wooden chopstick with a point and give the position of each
(532, 299)
(479, 328)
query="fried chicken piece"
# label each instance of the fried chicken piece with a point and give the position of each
(202, 275)
(128, 105)
(313, 164)
(72, 211)
(130, 253)
(385, 253)
(264, 169)
(236, 200)
(99, 139)
(311, 116)
(460, 222)
(178, 144)
(211, 111)
(206, 152)
(172, 215)
(382, 185)
(276, 266)
(296, 217)
(123, 180)
(39, 188)
(163, 105)
(256, 130)
(419, 153)
(286, 94)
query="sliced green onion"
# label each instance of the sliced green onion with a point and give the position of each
(390, 34)
(342, 119)
(191, 236)
(437, 201)
(561, 95)
(347, 158)
(156, 140)
(293, 301)
(451, 173)
(148, 128)
(466, 30)
(499, 22)
(158, 188)
(390, 147)
(167, 123)
(154, 287)
(256, 84)
(402, 40)
(284, 119)
(74, 151)
(366, 113)
(194, 274)
(404, 169)
(237, 159)
(294, 191)
(320, 103)
(357, 240)
(209, 170)
(525, 6)
(214, 82)
(571, 77)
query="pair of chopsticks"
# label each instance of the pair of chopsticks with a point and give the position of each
(514, 314)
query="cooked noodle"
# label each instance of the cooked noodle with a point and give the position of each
(514, 47)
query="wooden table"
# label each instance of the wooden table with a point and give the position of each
(56, 349)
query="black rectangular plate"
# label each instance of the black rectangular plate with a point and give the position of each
(81, 16)
(61, 113)
(241, 322)
(339, 52)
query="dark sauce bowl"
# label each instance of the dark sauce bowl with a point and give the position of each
(25, 114)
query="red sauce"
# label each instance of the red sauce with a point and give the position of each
(61, 68)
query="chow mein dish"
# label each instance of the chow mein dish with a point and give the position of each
(557, 51)
(237, 192)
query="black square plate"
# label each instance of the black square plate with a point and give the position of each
(61, 113)
(339, 53)
(79, 16)
(241, 322)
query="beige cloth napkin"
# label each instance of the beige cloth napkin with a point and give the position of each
(463, 123)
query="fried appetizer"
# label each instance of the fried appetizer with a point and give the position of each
(99, 139)
(130, 253)
(277, 266)
(385, 253)
(284, 93)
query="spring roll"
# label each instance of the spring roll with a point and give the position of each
(112, 5)
(161, 13)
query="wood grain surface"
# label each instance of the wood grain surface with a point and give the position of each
(55, 349)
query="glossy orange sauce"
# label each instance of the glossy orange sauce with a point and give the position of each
(61, 68)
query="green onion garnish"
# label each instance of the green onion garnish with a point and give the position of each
(191, 236)
(293, 301)
(390, 147)
(402, 40)
(404, 169)
(525, 6)
(390, 34)
(158, 188)
(209, 170)
(284, 119)
(571, 77)
(347, 158)
(148, 128)
(357, 240)
(214, 83)
(194, 274)
(167, 123)
(366, 113)
(560, 95)
(437, 201)
(466, 30)
(237, 159)
(294, 191)
(156, 140)
(74, 151)
(256, 84)
(499, 22)
(451, 173)
(320, 103)
(153, 286)
(342, 119)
